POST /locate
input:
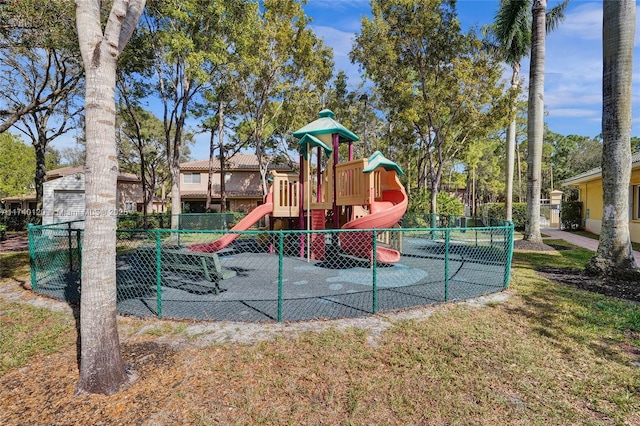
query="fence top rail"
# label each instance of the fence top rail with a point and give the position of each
(63, 226)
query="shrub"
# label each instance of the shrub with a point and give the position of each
(571, 215)
(497, 211)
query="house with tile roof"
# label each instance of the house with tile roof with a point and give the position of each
(242, 182)
(589, 184)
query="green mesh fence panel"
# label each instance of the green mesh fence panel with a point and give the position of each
(258, 276)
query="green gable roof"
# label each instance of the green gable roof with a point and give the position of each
(309, 141)
(378, 160)
(326, 125)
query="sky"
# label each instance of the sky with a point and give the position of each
(573, 77)
(573, 73)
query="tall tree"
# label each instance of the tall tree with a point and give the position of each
(101, 367)
(614, 255)
(187, 41)
(17, 163)
(535, 115)
(284, 63)
(440, 88)
(512, 31)
(43, 82)
(141, 149)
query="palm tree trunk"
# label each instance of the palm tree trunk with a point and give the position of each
(535, 120)
(614, 255)
(511, 143)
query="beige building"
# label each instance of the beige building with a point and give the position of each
(243, 185)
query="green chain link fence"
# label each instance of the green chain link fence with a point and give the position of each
(281, 275)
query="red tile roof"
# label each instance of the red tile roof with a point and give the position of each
(237, 162)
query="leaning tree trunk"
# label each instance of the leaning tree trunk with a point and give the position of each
(101, 365)
(614, 255)
(511, 142)
(535, 121)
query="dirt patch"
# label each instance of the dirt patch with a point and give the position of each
(527, 245)
(577, 278)
(14, 242)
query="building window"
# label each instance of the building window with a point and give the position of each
(634, 202)
(227, 177)
(191, 178)
(129, 207)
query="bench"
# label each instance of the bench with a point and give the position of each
(194, 272)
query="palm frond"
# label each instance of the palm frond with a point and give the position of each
(555, 16)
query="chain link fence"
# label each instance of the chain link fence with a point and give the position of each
(258, 276)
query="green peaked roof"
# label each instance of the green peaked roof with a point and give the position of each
(326, 125)
(378, 160)
(312, 142)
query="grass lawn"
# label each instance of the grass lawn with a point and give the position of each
(549, 354)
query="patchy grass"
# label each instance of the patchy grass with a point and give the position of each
(28, 333)
(550, 354)
(14, 266)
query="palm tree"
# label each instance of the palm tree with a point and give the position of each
(513, 30)
(101, 366)
(614, 255)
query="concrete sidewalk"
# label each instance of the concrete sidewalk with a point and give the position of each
(579, 240)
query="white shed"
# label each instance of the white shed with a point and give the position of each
(63, 195)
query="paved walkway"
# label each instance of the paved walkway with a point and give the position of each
(579, 240)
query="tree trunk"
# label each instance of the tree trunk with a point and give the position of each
(614, 255)
(223, 189)
(212, 148)
(535, 120)
(176, 202)
(511, 143)
(101, 365)
(41, 171)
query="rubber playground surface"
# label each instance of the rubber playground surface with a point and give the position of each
(309, 289)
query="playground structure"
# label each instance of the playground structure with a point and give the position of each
(333, 249)
(361, 193)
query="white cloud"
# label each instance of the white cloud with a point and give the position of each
(584, 22)
(342, 43)
(573, 112)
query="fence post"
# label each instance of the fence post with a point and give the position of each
(158, 275)
(79, 249)
(280, 268)
(32, 257)
(375, 272)
(70, 247)
(507, 266)
(447, 236)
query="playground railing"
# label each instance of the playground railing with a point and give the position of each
(280, 275)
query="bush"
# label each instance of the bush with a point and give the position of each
(446, 205)
(571, 215)
(497, 211)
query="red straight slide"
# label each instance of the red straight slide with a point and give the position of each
(247, 222)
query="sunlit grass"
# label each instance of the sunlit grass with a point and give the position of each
(550, 354)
